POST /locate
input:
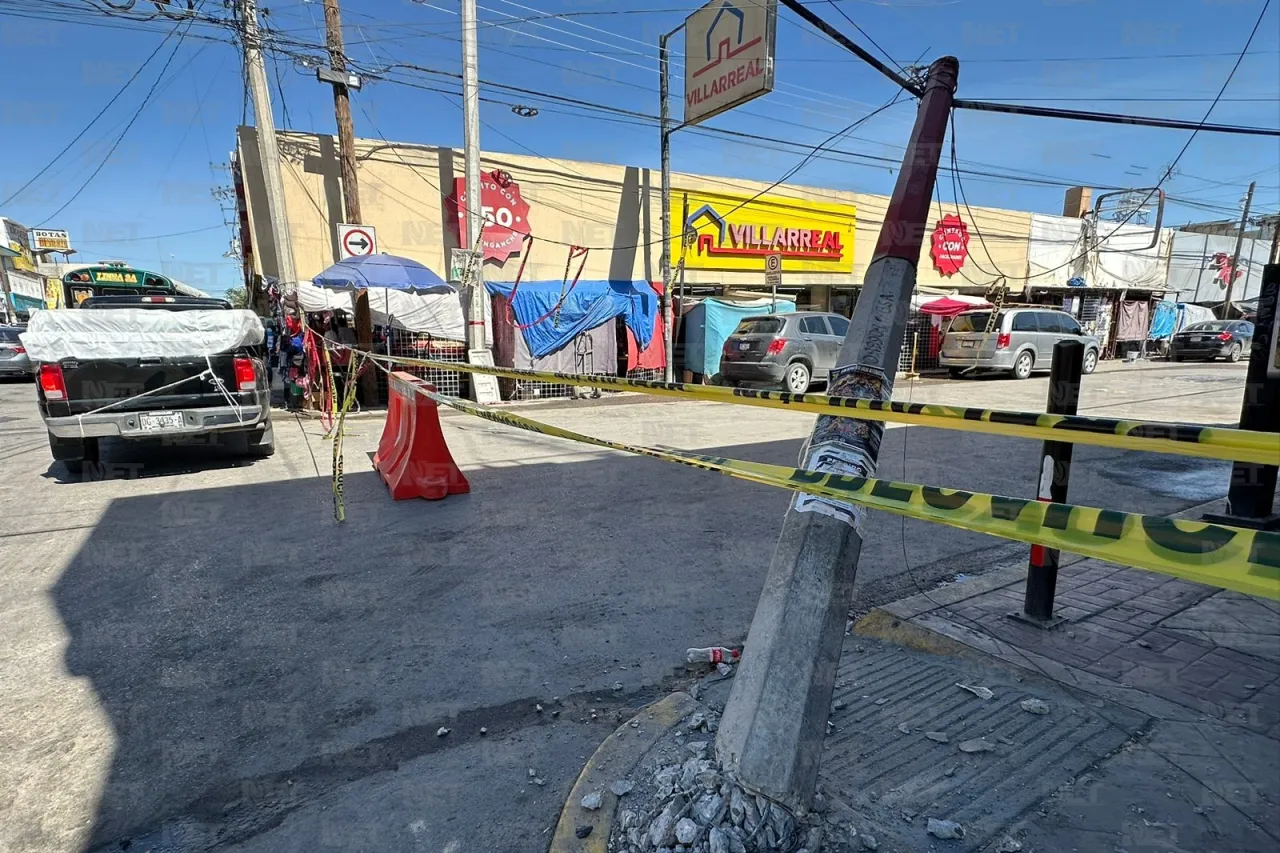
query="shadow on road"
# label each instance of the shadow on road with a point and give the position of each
(251, 654)
(141, 459)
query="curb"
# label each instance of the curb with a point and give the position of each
(899, 621)
(896, 622)
(620, 751)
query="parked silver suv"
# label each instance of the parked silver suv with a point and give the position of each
(791, 350)
(1020, 341)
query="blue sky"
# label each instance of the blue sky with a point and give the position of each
(162, 177)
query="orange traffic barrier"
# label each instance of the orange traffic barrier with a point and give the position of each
(412, 458)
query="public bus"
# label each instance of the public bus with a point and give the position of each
(113, 278)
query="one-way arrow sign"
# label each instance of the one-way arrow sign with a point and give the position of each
(357, 240)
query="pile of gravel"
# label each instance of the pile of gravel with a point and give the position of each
(699, 810)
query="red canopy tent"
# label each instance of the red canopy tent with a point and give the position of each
(948, 307)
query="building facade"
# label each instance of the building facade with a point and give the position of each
(544, 207)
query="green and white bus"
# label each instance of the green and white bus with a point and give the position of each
(113, 278)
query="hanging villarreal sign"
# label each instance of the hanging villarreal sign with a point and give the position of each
(737, 232)
(950, 247)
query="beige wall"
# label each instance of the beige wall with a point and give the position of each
(403, 186)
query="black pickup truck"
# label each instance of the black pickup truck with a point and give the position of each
(167, 396)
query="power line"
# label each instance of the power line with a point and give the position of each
(647, 243)
(1113, 118)
(868, 37)
(92, 121)
(1167, 172)
(844, 41)
(1085, 60)
(1025, 109)
(155, 236)
(123, 133)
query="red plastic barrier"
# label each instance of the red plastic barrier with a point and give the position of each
(412, 456)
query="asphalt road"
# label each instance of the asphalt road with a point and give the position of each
(195, 656)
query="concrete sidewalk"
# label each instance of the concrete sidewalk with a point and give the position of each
(1164, 724)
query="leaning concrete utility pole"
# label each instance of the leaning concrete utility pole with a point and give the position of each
(772, 731)
(1235, 256)
(471, 170)
(268, 149)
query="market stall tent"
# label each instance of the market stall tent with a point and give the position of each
(709, 323)
(437, 314)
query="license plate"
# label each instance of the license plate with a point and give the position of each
(744, 346)
(969, 344)
(157, 421)
(1199, 340)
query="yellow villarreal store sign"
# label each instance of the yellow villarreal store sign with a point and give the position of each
(736, 232)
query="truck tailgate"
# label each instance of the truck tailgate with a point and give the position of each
(91, 385)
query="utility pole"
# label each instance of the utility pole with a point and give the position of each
(9, 310)
(342, 110)
(471, 169)
(772, 731)
(268, 149)
(350, 186)
(1235, 257)
(664, 120)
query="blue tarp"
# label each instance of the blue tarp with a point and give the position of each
(1162, 321)
(709, 324)
(586, 306)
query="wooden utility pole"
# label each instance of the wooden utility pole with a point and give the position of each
(338, 77)
(342, 110)
(1235, 257)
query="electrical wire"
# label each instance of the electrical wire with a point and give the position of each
(123, 133)
(1167, 172)
(137, 113)
(156, 236)
(92, 121)
(868, 37)
(647, 243)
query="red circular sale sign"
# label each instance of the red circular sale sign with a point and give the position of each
(505, 213)
(950, 244)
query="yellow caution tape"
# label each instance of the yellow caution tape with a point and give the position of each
(1247, 561)
(1154, 436)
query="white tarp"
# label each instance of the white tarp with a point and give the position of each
(437, 314)
(89, 333)
(1055, 243)
(1200, 263)
(1123, 261)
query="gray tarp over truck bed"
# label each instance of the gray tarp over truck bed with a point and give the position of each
(171, 370)
(52, 336)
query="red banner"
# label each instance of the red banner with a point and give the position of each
(506, 214)
(950, 246)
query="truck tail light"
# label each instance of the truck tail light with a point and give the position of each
(52, 382)
(776, 346)
(246, 374)
(1002, 340)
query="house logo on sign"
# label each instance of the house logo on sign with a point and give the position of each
(728, 55)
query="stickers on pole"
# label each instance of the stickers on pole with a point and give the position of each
(832, 458)
(1233, 558)
(847, 447)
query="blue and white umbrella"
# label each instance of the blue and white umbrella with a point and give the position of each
(387, 271)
